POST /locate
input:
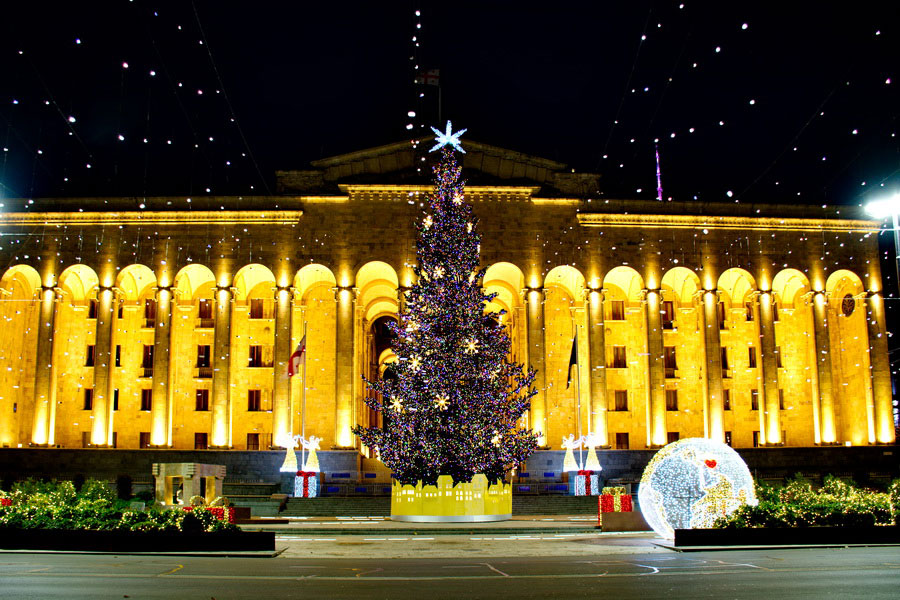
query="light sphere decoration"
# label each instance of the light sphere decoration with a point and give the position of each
(690, 483)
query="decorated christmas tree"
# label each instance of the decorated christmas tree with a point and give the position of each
(455, 403)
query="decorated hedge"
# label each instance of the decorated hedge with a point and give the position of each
(837, 503)
(57, 505)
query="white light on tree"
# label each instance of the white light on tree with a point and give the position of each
(691, 483)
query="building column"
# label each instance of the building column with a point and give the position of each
(345, 297)
(880, 366)
(656, 374)
(100, 429)
(159, 410)
(45, 371)
(713, 343)
(823, 368)
(770, 417)
(597, 366)
(221, 385)
(536, 360)
(281, 413)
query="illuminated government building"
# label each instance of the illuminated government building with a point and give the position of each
(169, 323)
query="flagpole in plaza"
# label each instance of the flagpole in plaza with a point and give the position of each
(303, 403)
(573, 360)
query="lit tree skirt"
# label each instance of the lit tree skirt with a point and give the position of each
(473, 502)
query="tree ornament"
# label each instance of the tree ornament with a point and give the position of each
(428, 222)
(496, 439)
(441, 402)
(471, 346)
(448, 138)
(397, 404)
(438, 272)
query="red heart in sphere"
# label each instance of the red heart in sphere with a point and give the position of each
(711, 463)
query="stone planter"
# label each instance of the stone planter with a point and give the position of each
(475, 502)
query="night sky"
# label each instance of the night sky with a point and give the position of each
(782, 102)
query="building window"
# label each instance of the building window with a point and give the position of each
(748, 309)
(259, 441)
(89, 356)
(261, 308)
(118, 355)
(260, 356)
(144, 439)
(669, 361)
(619, 357)
(621, 400)
(201, 400)
(671, 400)
(756, 439)
(202, 356)
(147, 360)
(92, 309)
(720, 312)
(780, 399)
(672, 436)
(146, 399)
(115, 440)
(728, 438)
(254, 400)
(848, 305)
(85, 439)
(617, 310)
(726, 371)
(751, 357)
(621, 441)
(726, 399)
(205, 314)
(116, 400)
(775, 311)
(668, 314)
(778, 357)
(149, 313)
(754, 399)
(120, 312)
(201, 441)
(88, 399)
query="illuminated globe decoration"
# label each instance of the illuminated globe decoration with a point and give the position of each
(691, 483)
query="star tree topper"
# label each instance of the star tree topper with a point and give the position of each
(447, 138)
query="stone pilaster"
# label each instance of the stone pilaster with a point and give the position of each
(715, 426)
(824, 368)
(100, 428)
(160, 409)
(281, 413)
(534, 298)
(221, 386)
(770, 416)
(597, 365)
(345, 298)
(656, 374)
(45, 370)
(881, 369)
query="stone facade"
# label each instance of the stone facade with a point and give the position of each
(169, 322)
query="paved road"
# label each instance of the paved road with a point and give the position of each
(870, 573)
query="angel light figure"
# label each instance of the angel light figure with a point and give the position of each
(312, 461)
(570, 444)
(591, 441)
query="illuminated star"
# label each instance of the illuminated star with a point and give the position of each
(447, 138)
(397, 404)
(441, 402)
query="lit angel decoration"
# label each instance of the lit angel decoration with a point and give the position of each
(312, 461)
(571, 444)
(591, 441)
(290, 455)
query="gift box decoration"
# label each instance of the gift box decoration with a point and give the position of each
(615, 500)
(306, 484)
(587, 483)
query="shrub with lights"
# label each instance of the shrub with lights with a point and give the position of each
(59, 506)
(455, 403)
(836, 504)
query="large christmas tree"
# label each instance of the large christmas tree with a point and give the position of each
(453, 407)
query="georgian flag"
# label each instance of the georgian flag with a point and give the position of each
(296, 357)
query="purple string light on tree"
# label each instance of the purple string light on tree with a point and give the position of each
(452, 404)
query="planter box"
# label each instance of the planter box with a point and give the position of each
(777, 536)
(623, 521)
(129, 541)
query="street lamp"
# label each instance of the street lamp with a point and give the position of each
(888, 207)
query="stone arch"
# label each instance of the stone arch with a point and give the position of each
(135, 282)
(253, 281)
(20, 314)
(377, 285)
(682, 284)
(507, 281)
(313, 276)
(736, 285)
(195, 281)
(849, 340)
(80, 282)
(624, 282)
(789, 286)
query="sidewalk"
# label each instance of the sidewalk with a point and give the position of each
(518, 525)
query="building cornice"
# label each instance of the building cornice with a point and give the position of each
(217, 217)
(723, 222)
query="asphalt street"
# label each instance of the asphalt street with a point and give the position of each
(635, 569)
